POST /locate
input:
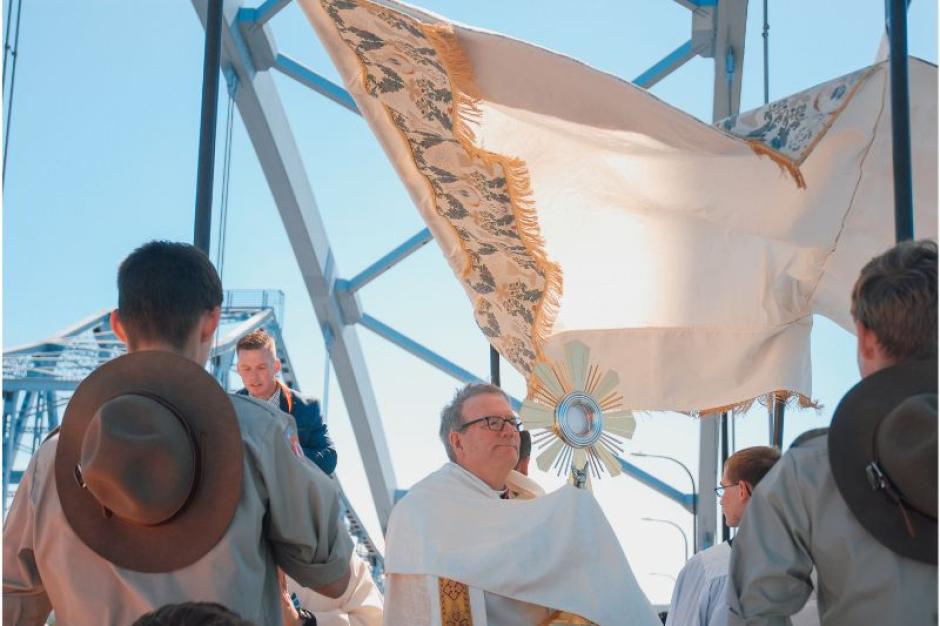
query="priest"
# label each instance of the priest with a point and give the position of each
(459, 551)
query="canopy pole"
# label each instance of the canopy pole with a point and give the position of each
(776, 433)
(210, 101)
(494, 366)
(766, 35)
(896, 18)
(726, 451)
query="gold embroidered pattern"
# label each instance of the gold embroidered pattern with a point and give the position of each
(455, 603)
(423, 80)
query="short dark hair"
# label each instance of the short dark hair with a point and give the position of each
(525, 445)
(163, 289)
(452, 416)
(751, 464)
(895, 297)
(256, 340)
(192, 614)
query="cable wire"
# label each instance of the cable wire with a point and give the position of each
(325, 404)
(223, 199)
(6, 39)
(14, 53)
(766, 35)
(226, 179)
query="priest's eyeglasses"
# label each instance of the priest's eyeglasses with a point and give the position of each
(495, 423)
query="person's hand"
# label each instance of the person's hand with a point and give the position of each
(289, 613)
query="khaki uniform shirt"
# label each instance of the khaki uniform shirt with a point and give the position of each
(287, 517)
(797, 519)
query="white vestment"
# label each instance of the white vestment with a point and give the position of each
(518, 557)
(360, 604)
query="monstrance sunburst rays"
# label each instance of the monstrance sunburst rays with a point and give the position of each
(577, 409)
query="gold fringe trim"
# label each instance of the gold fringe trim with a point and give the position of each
(466, 111)
(785, 164)
(789, 398)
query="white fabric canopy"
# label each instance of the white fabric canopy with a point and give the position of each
(572, 205)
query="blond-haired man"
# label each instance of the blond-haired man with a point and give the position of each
(258, 367)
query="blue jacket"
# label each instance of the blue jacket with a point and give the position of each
(311, 431)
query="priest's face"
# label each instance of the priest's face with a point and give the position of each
(489, 454)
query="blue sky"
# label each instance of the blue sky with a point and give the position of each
(103, 157)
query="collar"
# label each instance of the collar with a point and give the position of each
(477, 483)
(275, 398)
(282, 392)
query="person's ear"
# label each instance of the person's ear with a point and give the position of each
(868, 346)
(277, 365)
(117, 326)
(744, 490)
(210, 321)
(455, 443)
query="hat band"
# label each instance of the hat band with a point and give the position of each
(880, 481)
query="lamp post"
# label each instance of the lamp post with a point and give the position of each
(685, 538)
(694, 493)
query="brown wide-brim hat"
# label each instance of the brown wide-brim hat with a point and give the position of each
(209, 417)
(852, 448)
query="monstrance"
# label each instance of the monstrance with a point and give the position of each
(576, 416)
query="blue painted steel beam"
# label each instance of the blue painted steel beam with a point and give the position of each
(666, 66)
(694, 4)
(52, 407)
(268, 10)
(9, 422)
(428, 356)
(306, 76)
(12, 436)
(62, 336)
(386, 262)
(40, 384)
(686, 500)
